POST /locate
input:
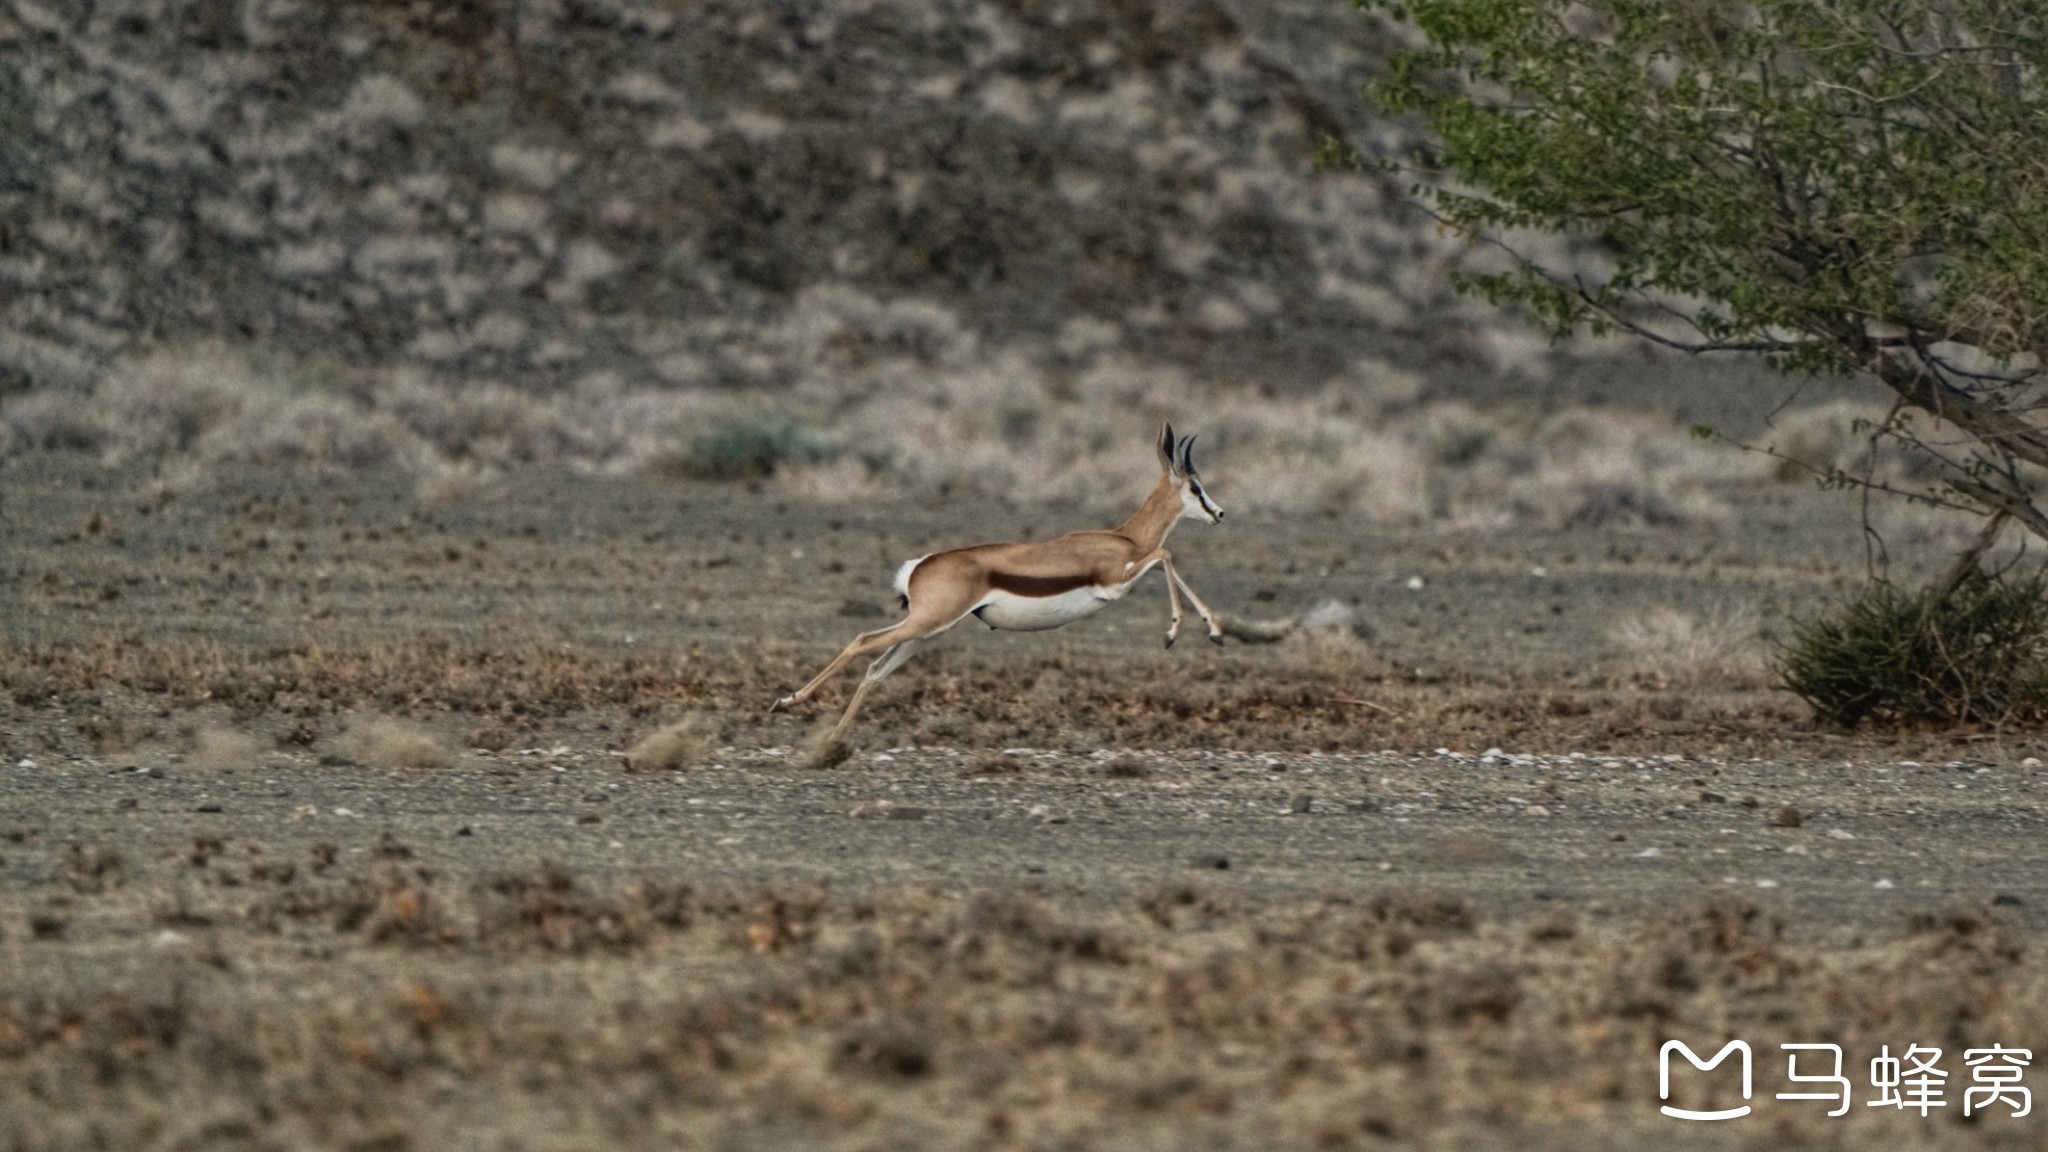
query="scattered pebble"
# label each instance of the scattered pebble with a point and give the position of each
(1535, 810)
(1215, 860)
(1648, 854)
(2029, 762)
(1884, 885)
(1302, 804)
(1787, 817)
(1767, 883)
(2007, 900)
(1415, 584)
(1839, 834)
(30, 764)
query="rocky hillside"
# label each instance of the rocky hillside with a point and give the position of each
(725, 193)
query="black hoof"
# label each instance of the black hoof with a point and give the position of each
(1216, 638)
(1169, 641)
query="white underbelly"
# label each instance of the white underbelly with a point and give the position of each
(1014, 613)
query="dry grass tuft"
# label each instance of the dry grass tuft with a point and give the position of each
(671, 748)
(1666, 647)
(223, 750)
(391, 743)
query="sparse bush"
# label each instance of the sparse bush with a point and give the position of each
(1966, 650)
(749, 450)
(1670, 647)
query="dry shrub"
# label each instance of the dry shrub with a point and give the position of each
(386, 742)
(1960, 650)
(670, 748)
(223, 750)
(1667, 647)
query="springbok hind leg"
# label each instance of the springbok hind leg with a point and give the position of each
(932, 611)
(888, 662)
(860, 646)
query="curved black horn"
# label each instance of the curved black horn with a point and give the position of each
(1187, 454)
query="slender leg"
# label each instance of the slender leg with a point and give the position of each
(1208, 617)
(862, 644)
(1173, 598)
(888, 662)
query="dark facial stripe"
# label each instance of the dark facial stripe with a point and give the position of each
(1037, 586)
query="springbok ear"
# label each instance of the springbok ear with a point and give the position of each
(1165, 447)
(1187, 456)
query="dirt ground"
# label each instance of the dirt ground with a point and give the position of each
(320, 829)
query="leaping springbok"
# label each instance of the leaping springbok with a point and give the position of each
(1027, 587)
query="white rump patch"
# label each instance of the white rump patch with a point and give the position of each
(903, 575)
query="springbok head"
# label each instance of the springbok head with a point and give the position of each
(1177, 459)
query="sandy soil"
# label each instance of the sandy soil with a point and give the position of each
(1070, 890)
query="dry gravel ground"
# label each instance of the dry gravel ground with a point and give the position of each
(319, 830)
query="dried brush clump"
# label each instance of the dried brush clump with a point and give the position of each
(672, 747)
(1970, 648)
(1667, 647)
(386, 742)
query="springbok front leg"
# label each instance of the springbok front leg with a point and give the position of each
(1164, 558)
(1208, 617)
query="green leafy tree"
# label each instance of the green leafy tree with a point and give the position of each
(1842, 186)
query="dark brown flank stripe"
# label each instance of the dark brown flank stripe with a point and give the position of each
(1037, 586)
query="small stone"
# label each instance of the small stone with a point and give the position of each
(1535, 810)
(1648, 854)
(2031, 762)
(26, 763)
(1362, 806)
(169, 939)
(464, 831)
(207, 808)
(1839, 834)
(1767, 883)
(125, 803)
(907, 812)
(2007, 900)
(1713, 798)
(1215, 860)
(1302, 804)
(1884, 885)
(1787, 817)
